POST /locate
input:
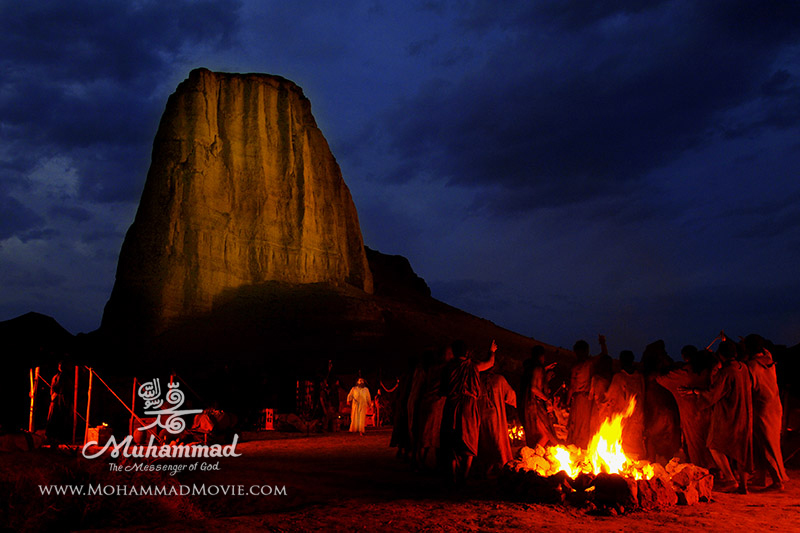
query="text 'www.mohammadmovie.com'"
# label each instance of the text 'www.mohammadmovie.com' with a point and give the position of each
(155, 490)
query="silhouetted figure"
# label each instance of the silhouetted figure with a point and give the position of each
(730, 431)
(340, 394)
(767, 412)
(55, 414)
(461, 387)
(431, 404)
(378, 408)
(329, 400)
(601, 380)
(494, 445)
(694, 418)
(401, 439)
(535, 397)
(628, 384)
(414, 395)
(662, 420)
(580, 401)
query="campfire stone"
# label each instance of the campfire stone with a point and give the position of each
(538, 463)
(688, 479)
(526, 452)
(677, 483)
(688, 496)
(655, 493)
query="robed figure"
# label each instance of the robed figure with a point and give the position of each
(628, 385)
(730, 432)
(662, 418)
(494, 445)
(536, 419)
(461, 388)
(428, 420)
(767, 412)
(359, 400)
(401, 438)
(601, 380)
(58, 406)
(694, 418)
(580, 401)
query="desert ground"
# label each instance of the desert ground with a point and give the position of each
(334, 482)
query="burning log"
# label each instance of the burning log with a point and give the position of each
(616, 490)
(529, 486)
(535, 476)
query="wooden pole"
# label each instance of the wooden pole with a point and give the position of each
(34, 386)
(38, 376)
(30, 409)
(88, 406)
(75, 406)
(133, 407)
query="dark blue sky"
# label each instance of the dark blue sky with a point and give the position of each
(561, 168)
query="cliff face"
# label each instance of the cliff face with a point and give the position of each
(242, 189)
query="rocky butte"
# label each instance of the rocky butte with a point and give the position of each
(245, 266)
(242, 190)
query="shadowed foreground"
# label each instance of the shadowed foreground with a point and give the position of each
(346, 481)
(332, 482)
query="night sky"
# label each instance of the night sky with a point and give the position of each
(563, 169)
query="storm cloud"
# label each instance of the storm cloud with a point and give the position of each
(561, 168)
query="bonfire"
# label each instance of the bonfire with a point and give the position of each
(602, 474)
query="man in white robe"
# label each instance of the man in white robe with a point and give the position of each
(359, 400)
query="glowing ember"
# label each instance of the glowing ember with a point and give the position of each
(516, 434)
(605, 454)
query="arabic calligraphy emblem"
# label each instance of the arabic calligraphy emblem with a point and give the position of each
(150, 392)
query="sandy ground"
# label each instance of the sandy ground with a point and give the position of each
(347, 482)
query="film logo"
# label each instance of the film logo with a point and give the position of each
(168, 416)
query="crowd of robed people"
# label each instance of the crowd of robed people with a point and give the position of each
(716, 409)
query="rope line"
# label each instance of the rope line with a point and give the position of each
(123, 403)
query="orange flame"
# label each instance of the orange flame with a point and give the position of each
(605, 454)
(605, 449)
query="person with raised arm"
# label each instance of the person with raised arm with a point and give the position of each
(460, 430)
(730, 432)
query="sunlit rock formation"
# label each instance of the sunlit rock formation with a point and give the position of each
(242, 190)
